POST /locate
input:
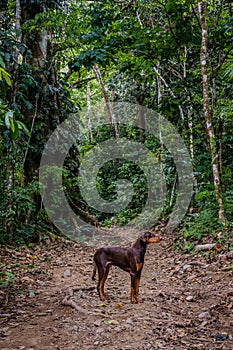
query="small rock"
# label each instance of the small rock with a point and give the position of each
(31, 294)
(41, 283)
(67, 273)
(113, 322)
(204, 314)
(187, 267)
(190, 298)
(169, 330)
(129, 321)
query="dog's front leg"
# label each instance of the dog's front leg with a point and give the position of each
(135, 280)
(133, 287)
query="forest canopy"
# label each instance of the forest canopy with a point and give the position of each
(60, 58)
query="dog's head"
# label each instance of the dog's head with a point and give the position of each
(150, 237)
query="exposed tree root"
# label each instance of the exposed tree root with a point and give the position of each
(68, 302)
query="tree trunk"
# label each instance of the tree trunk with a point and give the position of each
(44, 114)
(104, 93)
(89, 111)
(207, 112)
(109, 112)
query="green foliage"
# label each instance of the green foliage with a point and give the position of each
(5, 76)
(228, 201)
(201, 225)
(188, 247)
(15, 126)
(109, 175)
(6, 278)
(148, 53)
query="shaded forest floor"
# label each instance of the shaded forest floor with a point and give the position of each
(188, 301)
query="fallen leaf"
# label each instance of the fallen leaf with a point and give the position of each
(228, 268)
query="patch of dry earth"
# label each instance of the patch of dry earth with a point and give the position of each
(187, 302)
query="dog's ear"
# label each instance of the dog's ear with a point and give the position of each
(144, 237)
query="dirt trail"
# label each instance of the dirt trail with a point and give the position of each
(188, 302)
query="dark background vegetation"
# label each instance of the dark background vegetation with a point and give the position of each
(58, 56)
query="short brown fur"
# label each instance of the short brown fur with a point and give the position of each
(128, 259)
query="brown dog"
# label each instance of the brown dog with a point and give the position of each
(128, 259)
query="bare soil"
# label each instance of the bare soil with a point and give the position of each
(188, 301)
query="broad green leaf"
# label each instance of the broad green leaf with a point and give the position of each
(15, 133)
(2, 63)
(23, 127)
(5, 75)
(8, 116)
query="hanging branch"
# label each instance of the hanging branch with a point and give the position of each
(104, 93)
(123, 8)
(170, 90)
(82, 81)
(110, 114)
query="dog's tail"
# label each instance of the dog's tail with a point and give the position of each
(94, 272)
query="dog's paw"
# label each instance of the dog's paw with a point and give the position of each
(104, 298)
(136, 301)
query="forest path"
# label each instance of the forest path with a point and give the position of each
(188, 301)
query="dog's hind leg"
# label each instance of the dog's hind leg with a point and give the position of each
(103, 274)
(94, 272)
